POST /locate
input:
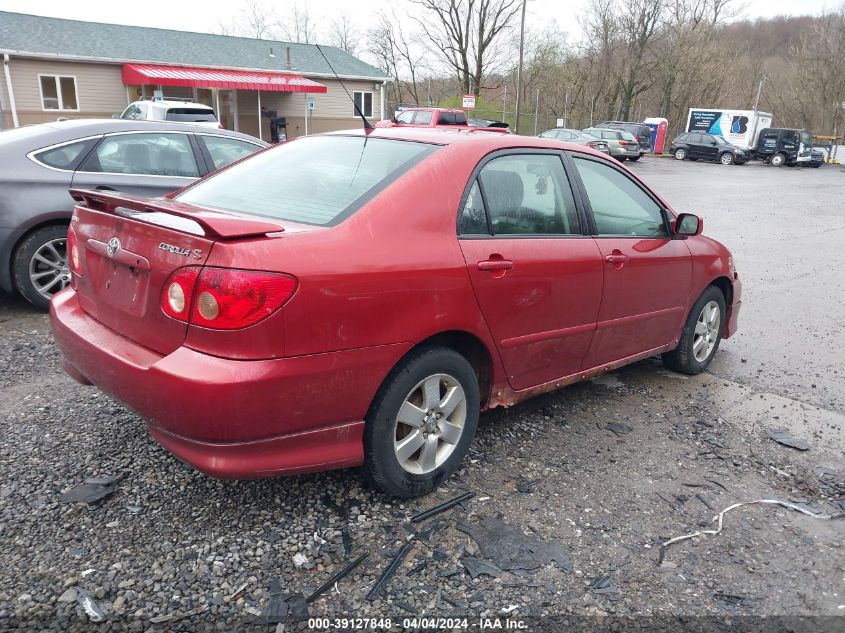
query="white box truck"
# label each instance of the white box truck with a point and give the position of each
(739, 127)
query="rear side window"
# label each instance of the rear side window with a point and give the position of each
(473, 217)
(525, 194)
(224, 150)
(144, 155)
(66, 156)
(315, 180)
(189, 115)
(619, 206)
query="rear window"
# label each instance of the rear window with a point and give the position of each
(451, 118)
(320, 180)
(189, 115)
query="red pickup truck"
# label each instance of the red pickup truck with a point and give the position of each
(442, 118)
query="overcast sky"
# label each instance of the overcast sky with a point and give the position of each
(207, 15)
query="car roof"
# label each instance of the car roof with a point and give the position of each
(62, 131)
(170, 102)
(487, 141)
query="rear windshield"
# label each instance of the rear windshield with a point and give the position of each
(451, 118)
(189, 115)
(319, 180)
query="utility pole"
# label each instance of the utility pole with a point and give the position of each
(536, 111)
(519, 68)
(759, 92)
(504, 102)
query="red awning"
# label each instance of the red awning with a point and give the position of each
(211, 78)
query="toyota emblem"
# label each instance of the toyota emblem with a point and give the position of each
(113, 246)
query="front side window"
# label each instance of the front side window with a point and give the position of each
(144, 154)
(364, 103)
(132, 112)
(423, 117)
(58, 93)
(224, 150)
(619, 206)
(314, 180)
(529, 194)
(406, 117)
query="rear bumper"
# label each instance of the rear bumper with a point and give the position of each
(231, 418)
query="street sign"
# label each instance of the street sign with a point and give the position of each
(312, 103)
(843, 105)
(469, 102)
(559, 123)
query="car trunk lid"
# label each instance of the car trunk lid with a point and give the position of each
(129, 246)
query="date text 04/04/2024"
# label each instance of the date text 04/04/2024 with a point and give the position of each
(387, 624)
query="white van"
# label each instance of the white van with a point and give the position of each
(178, 111)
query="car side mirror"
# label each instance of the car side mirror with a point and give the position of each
(688, 224)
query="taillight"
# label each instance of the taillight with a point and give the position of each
(74, 259)
(178, 292)
(225, 298)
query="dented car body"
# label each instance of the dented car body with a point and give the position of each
(259, 331)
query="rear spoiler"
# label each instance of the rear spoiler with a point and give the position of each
(215, 224)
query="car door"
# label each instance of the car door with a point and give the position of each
(536, 275)
(709, 147)
(694, 146)
(147, 163)
(646, 273)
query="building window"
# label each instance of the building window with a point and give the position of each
(364, 101)
(58, 93)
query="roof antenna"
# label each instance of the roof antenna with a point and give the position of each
(368, 127)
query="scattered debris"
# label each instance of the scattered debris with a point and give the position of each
(237, 592)
(508, 609)
(511, 549)
(425, 535)
(276, 609)
(526, 485)
(418, 568)
(422, 516)
(389, 571)
(617, 428)
(134, 509)
(716, 483)
(347, 540)
(172, 617)
(735, 601)
(477, 567)
(603, 584)
(701, 498)
(336, 578)
(719, 517)
(92, 610)
(782, 437)
(91, 490)
(300, 560)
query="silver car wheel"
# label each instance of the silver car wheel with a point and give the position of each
(727, 159)
(48, 268)
(429, 424)
(680, 154)
(706, 331)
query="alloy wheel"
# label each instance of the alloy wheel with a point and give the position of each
(680, 154)
(727, 158)
(706, 331)
(429, 424)
(48, 268)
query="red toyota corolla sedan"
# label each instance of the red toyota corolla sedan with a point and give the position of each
(351, 299)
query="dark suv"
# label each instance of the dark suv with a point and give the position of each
(698, 145)
(640, 130)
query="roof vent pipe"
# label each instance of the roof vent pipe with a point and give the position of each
(288, 63)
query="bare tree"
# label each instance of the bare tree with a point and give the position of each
(343, 34)
(253, 19)
(298, 26)
(465, 35)
(395, 54)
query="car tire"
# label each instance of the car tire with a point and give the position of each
(726, 158)
(700, 336)
(778, 160)
(39, 266)
(621, 159)
(633, 159)
(680, 153)
(414, 437)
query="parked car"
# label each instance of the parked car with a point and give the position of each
(380, 267)
(486, 123)
(438, 118)
(622, 144)
(780, 146)
(640, 130)
(701, 146)
(578, 137)
(40, 163)
(176, 111)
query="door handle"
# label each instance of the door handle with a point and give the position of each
(492, 265)
(104, 188)
(616, 257)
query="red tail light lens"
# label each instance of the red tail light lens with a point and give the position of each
(74, 257)
(178, 293)
(229, 299)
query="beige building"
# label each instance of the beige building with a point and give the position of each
(54, 68)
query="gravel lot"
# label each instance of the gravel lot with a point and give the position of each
(603, 472)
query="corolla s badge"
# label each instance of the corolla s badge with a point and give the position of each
(184, 252)
(113, 246)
